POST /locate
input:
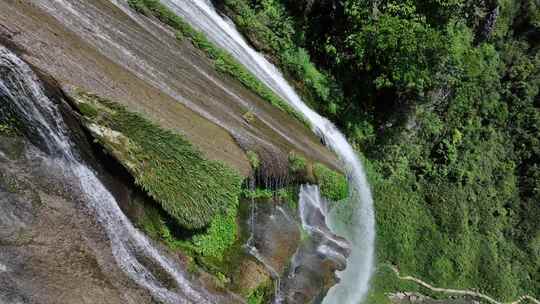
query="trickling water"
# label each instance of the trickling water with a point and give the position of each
(273, 273)
(355, 279)
(254, 251)
(22, 93)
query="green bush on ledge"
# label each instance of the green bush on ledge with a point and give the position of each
(333, 185)
(190, 188)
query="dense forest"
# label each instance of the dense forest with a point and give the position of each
(442, 99)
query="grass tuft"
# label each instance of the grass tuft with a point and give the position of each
(333, 185)
(191, 189)
(254, 160)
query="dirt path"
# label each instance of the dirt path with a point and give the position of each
(461, 292)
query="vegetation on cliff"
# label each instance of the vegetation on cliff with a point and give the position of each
(442, 99)
(193, 205)
(334, 185)
(9, 124)
(194, 191)
(8, 128)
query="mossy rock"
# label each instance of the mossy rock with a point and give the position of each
(190, 188)
(333, 184)
(11, 146)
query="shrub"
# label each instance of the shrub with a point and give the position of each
(220, 235)
(297, 163)
(334, 185)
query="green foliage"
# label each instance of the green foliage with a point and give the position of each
(445, 107)
(9, 125)
(287, 195)
(399, 49)
(297, 163)
(212, 243)
(256, 298)
(262, 294)
(385, 281)
(249, 116)
(190, 188)
(450, 197)
(271, 29)
(257, 193)
(222, 60)
(334, 185)
(6, 129)
(88, 110)
(220, 236)
(154, 222)
(254, 160)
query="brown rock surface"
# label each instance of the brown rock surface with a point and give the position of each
(105, 48)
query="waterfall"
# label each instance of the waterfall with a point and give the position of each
(314, 212)
(22, 93)
(354, 283)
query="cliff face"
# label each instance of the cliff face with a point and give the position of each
(51, 250)
(105, 48)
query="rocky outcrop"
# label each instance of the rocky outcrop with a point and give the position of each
(312, 271)
(63, 237)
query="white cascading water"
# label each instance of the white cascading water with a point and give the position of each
(22, 88)
(354, 283)
(310, 202)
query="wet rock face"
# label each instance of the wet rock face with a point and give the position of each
(106, 48)
(312, 271)
(50, 248)
(303, 263)
(310, 276)
(275, 235)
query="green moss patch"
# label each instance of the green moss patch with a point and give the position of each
(222, 60)
(333, 185)
(262, 294)
(254, 159)
(191, 189)
(6, 129)
(9, 125)
(220, 235)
